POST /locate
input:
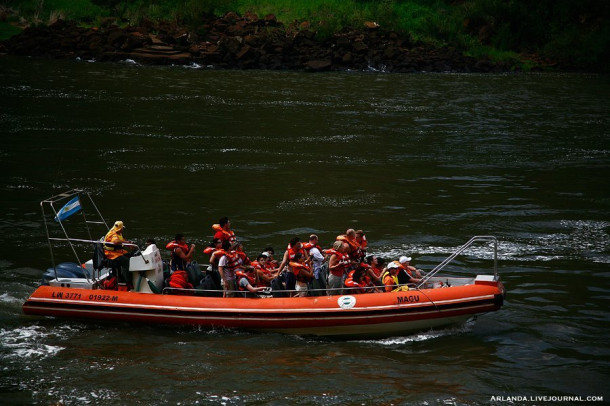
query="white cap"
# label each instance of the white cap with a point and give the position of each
(265, 254)
(404, 259)
(392, 265)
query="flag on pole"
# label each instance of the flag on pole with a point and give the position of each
(73, 206)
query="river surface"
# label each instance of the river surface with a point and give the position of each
(421, 162)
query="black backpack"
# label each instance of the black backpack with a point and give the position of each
(211, 282)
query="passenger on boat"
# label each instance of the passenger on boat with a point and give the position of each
(181, 253)
(355, 283)
(302, 273)
(390, 278)
(337, 267)
(264, 274)
(361, 238)
(375, 270)
(294, 246)
(353, 246)
(246, 281)
(116, 254)
(239, 250)
(367, 272)
(317, 259)
(221, 249)
(227, 266)
(271, 262)
(404, 276)
(411, 270)
(223, 230)
(215, 245)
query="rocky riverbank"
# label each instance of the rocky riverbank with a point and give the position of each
(245, 42)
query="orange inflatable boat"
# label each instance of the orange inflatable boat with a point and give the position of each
(436, 302)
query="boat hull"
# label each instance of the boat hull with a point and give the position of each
(363, 315)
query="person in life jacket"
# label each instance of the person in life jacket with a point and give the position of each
(271, 262)
(220, 250)
(246, 280)
(239, 250)
(361, 239)
(404, 276)
(367, 278)
(294, 246)
(302, 273)
(338, 264)
(317, 259)
(389, 277)
(223, 230)
(181, 253)
(411, 270)
(228, 264)
(375, 270)
(355, 283)
(264, 274)
(117, 255)
(215, 245)
(353, 246)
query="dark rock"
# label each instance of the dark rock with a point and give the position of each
(391, 52)
(359, 46)
(116, 37)
(243, 52)
(270, 20)
(342, 42)
(230, 44)
(317, 65)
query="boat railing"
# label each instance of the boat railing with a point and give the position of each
(450, 258)
(280, 292)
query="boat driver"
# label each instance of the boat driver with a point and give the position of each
(117, 255)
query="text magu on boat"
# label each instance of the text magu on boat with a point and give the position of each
(76, 292)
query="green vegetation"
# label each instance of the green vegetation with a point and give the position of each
(571, 33)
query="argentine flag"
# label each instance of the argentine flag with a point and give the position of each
(73, 206)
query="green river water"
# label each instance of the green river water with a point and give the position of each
(421, 162)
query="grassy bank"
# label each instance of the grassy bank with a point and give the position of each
(573, 34)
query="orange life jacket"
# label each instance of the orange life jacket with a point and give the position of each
(232, 260)
(244, 258)
(343, 262)
(241, 274)
(180, 279)
(177, 262)
(227, 235)
(209, 250)
(307, 246)
(390, 281)
(351, 283)
(172, 245)
(217, 254)
(296, 270)
(364, 242)
(110, 251)
(292, 252)
(355, 251)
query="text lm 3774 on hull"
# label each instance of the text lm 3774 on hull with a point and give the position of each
(77, 291)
